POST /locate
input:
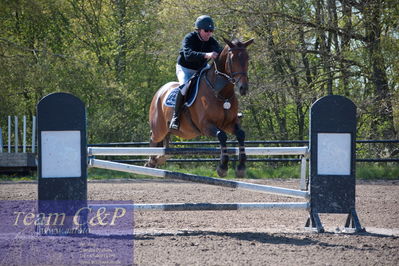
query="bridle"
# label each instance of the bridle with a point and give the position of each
(230, 77)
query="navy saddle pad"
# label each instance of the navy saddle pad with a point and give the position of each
(190, 98)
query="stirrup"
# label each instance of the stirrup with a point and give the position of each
(174, 124)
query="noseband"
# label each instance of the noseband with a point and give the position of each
(230, 77)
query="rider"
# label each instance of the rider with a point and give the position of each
(197, 47)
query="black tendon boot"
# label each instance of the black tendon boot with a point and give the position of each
(175, 123)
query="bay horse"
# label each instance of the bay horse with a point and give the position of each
(215, 110)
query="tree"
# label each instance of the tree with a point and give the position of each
(115, 54)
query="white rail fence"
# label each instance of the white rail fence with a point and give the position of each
(10, 140)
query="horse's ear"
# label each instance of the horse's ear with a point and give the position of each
(247, 43)
(229, 43)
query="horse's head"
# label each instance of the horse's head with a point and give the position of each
(236, 63)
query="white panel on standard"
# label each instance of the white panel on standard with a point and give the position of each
(333, 154)
(61, 154)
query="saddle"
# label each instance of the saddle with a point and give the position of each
(192, 92)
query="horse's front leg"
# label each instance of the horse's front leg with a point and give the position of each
(242, 157)
(224, 157)
(213, 131)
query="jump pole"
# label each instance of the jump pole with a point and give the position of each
(303, 152)
(125, 151)
(194, 178)
(206, 206)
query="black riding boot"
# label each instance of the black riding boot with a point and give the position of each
(175, 123)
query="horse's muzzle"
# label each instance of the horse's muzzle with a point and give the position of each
(243, 88)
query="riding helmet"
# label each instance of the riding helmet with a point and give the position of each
(204, 22)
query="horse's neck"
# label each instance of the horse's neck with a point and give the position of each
(221, 62)
(219, 65)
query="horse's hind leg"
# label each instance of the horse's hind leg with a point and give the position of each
(161, 159)
(242, 157)
(166, 141)
(153, 160)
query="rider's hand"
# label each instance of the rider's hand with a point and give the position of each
(211, 55)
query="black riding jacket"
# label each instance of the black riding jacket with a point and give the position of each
(193, 50)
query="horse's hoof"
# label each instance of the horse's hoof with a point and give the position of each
(148, 164)
(222, 172)
(240, 173)
(162, 159)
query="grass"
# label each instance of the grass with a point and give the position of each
(254, 171)
(259, 171)
(376, 171)
(102, 174)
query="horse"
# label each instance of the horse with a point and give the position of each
(215, 110)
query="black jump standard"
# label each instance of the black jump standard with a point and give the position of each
(332, 160)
